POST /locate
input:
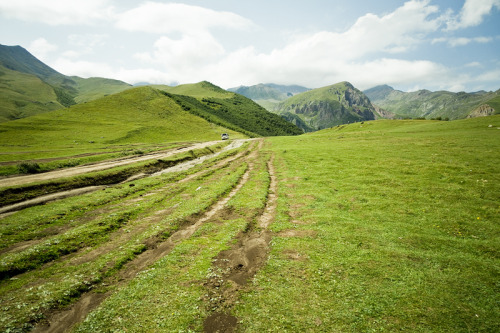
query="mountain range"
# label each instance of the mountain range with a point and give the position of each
(438, 104)
(29, 87)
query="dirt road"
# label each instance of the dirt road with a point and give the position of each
(21, 180)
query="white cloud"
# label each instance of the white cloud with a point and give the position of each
(57, 12)
(461, 41)
(473, 64)
(85, 43)
(319, 58)
(191, 50)
(326, 57)
(83, 68)
(88, 69)
(71, 54)
(164, 18)
(472, 13)
(396, 32)
(41, 48)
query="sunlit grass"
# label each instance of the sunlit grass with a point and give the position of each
(397, 226)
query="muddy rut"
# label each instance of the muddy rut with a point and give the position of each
(235, 267)
(64, 320)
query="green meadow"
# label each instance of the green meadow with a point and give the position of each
(388, 225)
(384, 226)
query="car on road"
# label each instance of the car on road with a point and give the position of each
(225, 136)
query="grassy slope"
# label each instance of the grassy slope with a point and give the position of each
(396, 228)
(23, 95)
(97, 87)
(136, 117)
(199, 90)
(29, 87)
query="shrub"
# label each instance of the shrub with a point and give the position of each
(28, 167)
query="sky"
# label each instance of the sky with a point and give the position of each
(449, 45)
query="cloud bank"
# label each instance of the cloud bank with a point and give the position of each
(188, 44)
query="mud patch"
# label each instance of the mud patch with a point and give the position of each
(59, 322)
(220, 322)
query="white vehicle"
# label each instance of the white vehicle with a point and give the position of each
(225, 136)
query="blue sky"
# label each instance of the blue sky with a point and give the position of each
(419, 44)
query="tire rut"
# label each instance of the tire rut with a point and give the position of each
(235, 267)
(63, 320)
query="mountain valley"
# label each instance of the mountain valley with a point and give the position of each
(191, 208)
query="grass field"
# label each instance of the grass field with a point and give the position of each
(375, 226)
(384, 226)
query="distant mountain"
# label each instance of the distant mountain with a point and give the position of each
(229, 109)
(439, 104)
(28, 86)
(325, 107)
(263, 91)
(270, 94)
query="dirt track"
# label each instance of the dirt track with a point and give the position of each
(62, 321)
(21, 180)
(4, 211)
(241, 262)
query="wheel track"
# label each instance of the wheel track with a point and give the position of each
(155, 215)
(238, 265)
(64, 320)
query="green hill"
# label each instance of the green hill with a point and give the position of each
(18, 59)
(325, 107)
(427, 104)
(203, 89)
(229, 109)
(29, 87)
(96, 87)
(23, 95)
